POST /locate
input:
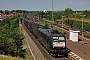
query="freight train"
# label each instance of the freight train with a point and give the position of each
(52, 40)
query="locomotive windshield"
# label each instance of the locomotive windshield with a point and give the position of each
(59, 39)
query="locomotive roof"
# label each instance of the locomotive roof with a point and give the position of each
(50, 32)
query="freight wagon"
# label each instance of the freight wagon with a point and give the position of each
(52, 40)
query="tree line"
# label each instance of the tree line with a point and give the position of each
(13, 11)
(11, 37)
(68, 13)
(77, 24)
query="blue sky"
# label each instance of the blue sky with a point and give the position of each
(39, 5)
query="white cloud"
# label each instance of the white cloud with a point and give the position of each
(71, 3)
(63, 5)
(57, 6)
(83, 3)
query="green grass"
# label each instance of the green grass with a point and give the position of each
(28, 54)
(49, 26)
(77, 19)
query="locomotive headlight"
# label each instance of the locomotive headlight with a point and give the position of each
(54, 43)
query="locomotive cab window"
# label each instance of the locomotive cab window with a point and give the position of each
(55, 38)
(59, 39)
(62, 39)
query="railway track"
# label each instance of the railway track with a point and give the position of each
(86, 35)
(42, 49)
(49, 57)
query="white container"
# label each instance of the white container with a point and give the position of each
(73, 35)
(70, 34)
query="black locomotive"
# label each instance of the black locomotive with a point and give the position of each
(52, 40)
